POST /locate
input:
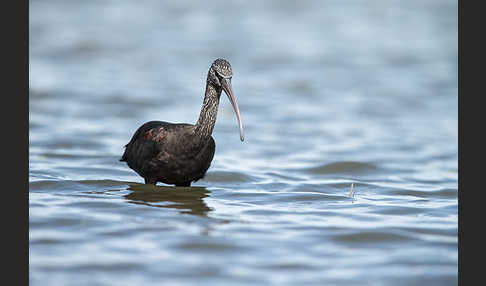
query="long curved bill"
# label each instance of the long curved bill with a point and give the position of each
(229, 92)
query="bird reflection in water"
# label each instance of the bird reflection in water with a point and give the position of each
(188, 200)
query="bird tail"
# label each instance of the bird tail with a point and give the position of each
(124, 157)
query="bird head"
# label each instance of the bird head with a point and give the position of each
(220, 75)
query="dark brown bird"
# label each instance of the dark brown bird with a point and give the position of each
(180, 153)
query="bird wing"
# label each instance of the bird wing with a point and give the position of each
(149, 148)
(140, 144)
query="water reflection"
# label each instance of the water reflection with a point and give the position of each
(188, 199)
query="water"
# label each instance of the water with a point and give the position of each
(331, 93)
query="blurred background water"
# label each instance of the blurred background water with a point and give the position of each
(332, 93)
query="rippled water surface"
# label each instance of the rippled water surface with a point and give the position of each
(348, 171)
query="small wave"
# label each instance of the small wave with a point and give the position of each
(444, 193)
(44, 185)
(343, 167)
(371, 236)
(225, 176)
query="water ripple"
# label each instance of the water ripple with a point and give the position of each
(348, 171)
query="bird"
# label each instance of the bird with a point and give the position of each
(181, 153)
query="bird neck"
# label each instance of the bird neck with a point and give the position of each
(207, 117)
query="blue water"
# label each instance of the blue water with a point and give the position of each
(331, 93)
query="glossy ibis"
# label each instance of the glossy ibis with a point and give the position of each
(180, 153)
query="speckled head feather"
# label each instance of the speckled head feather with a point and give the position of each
(223, 68)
